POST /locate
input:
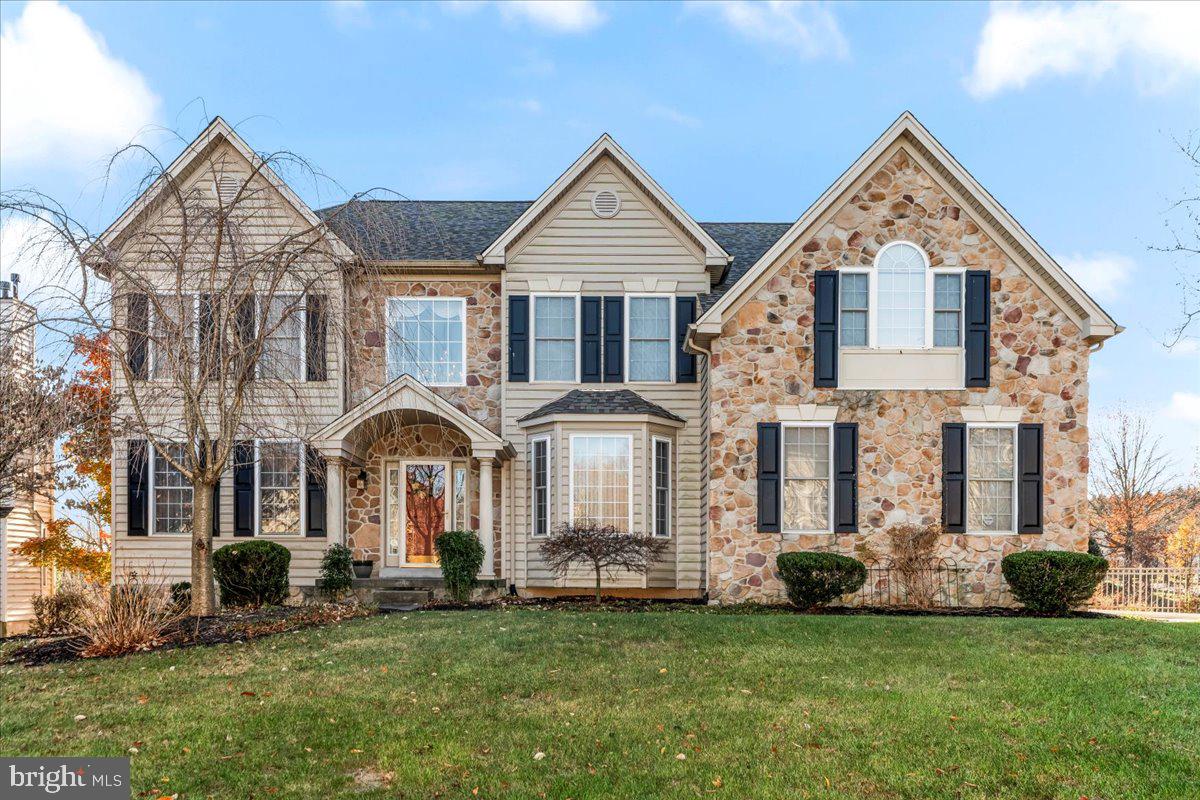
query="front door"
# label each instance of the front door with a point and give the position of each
(415, 511)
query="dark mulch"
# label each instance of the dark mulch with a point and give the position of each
(234, 625)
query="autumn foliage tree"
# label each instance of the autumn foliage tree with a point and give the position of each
(88, 447)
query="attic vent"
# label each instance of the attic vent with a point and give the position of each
(227, 188)
(605, 204)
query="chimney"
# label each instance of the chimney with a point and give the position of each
(15, 279)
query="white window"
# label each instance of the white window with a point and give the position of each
(426, 338)
(947, 309)
(649, 321)
(540, 482)
(171, 491)
(662, 487)
(855, 292)
(280, 471)
(555, 338)
(991, 478)
(283, 338)
(172, 334)
(602, 480)
(807, 478)
(900, 271)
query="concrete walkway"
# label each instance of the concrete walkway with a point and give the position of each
(1153, 616)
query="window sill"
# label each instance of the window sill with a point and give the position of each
(899, 350)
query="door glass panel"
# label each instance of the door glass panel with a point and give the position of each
(393, 516)
(461, 523)
(425, 510)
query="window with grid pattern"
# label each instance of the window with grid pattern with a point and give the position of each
(279, 466)
(600, 470)
(541, 487)
(991, 475)
(662, 487)
(806, 484)
(554, 338)
(900, 272)
(855, 300)
(172, 493)
(172, 332)
(425, 339)
(649, 339)
(283, 339)
(947, 309)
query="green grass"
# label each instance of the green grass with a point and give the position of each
(438, 704)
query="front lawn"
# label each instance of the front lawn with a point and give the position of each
(535, 703)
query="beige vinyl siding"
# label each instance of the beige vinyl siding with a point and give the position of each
(22, 581)
(608, 257)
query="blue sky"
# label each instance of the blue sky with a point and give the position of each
(1065, 113)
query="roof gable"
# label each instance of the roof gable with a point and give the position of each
(907, 133)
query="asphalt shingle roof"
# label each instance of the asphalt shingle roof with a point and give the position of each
(459, 230)
(614, 401)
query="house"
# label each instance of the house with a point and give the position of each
(902, 352)
(22, 516)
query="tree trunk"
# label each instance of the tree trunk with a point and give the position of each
(204, 602)
(598, 600)
(1128, 545)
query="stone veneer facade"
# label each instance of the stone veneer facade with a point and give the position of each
(763, 359)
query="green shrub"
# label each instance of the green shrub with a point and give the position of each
(337, 570)
(252, 573)
(1052, 581)
(55, 613)
(461, 556)
(813, 579)
(181, 594)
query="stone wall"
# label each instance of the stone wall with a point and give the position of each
(763, 359)
(480, 398)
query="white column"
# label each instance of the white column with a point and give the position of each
(335, 500)
(486, 529)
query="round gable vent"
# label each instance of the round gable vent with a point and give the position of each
(606, 204)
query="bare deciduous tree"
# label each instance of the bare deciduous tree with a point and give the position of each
(601, 547)
(1185, 242)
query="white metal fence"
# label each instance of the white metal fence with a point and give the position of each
(1174, 589)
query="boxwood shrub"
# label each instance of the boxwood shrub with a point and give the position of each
(1052, 581)
(337, 570)
(461, 556)
(252, 573)
(813, 579)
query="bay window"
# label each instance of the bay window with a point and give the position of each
(650, 329)
(540, 465)
(426, 338)
(662, 487)
(602, 480)
(555, 329)
(991, 478)
(807, 478)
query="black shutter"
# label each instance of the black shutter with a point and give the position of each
(1029, 479)
(978, 316)
(243, 489)
(770, 494)
(589, 368)
(825, 346)
(138, 325)
(314, 493)
(518, 338)
(685, 363)
(316, 339)
(954, 477)
(138, 476)
(247, 325)
(209, 339)
(216, 493)
(845, 477)
(614, 339)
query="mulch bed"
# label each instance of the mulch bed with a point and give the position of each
(238, 625)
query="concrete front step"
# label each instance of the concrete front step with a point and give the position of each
(431, 582)
(401, 597)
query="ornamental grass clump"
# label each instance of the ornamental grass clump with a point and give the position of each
(133, 615)
(460, 554)
(814, 579)
(1053, 581)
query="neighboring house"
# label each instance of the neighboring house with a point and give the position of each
(22, 517)
(904, 352)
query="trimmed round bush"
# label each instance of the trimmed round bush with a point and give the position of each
(813, 579)
(181, 594)
(337, 569)
(1052, 581)
(252, 573)
(461, 556)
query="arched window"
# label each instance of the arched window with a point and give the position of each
(900, 269)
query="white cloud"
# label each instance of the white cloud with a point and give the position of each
(808, 28)
(1184, 406)
(532, 105)
(557, 16)
(673, 115)
(1102, 275)
(64, 95)
(349, 13)
(1021, 42)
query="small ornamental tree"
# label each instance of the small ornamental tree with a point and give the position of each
(600, 547)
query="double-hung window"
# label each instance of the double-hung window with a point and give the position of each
(807, 477)
(540, 480)
(991, 478)
(171, 491)
(662, 487)
(280, 470)
(650, 325)
(602, 480)
(947, 309)
(172, 334)
(426, 338)
(855, 321)
(555, 338)
(283, 338)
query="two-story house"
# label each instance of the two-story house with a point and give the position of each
(903, 352)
